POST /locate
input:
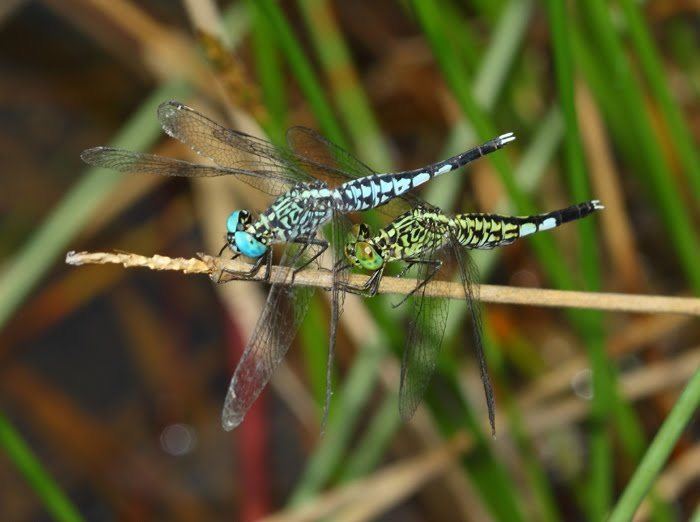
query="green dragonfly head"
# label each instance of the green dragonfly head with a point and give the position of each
(359, 251)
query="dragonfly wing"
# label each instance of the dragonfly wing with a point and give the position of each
(423, 342)
(274, 332)
(142, 163)
(276, 327)
(333, 162)
(226, 147)
(469, 275)
(336, 235)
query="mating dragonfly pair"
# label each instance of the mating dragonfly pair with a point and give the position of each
(316, 183)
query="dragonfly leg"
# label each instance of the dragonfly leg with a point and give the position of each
(369, 289)
(225, 270)
(404, 270)
(436, 264)
(247, 274)
(341, 265)
(306, 242)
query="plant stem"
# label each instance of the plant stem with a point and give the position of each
(658, 452)
(55, 501)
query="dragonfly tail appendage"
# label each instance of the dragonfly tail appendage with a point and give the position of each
(531, 224)
(484, 149)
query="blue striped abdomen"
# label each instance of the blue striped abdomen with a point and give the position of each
(374, 191)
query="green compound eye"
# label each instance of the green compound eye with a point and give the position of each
(367, 256)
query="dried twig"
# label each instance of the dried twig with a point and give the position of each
(392, 285)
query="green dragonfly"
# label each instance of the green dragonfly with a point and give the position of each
(421, 237)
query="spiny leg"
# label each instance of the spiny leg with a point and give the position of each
(405, 269)
(305, 242)
(435, 263)
(248, 274)
(225, 270)
(369, 288)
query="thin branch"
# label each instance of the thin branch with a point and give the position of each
(212, 266)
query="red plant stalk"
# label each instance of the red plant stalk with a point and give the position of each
(252, 446)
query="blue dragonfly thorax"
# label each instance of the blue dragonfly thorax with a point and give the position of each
(239, 240)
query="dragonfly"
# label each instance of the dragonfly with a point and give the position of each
(422, 237)
(314, 182)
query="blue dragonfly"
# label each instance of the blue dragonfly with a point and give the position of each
(314, 183)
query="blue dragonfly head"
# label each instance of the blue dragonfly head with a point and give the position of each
(238, 239)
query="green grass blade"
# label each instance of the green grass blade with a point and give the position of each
(653, 70)
(313, 334)
(681, 233)
(498, 61)
(372, 446)
(349, 97)
(53, 498)
(659, 451)
(536, 476)
(269, 73)
(601, 472)
(535, 159)
(353, 395)
(696, 515)
(303, 71)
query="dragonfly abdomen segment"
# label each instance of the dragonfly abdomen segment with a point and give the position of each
(416, 231)
(373, 191)
(486, 231)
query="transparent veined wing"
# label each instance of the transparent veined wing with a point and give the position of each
(226, 147)
(424, 340)
(274, 332)
(469, 275)
(336, 234)
(332, 162)
(142, 163)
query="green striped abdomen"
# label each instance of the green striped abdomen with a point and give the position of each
(486, 231)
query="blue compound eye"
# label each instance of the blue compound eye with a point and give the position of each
(248, 245)
(232, 222)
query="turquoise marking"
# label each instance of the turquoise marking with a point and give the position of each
(401, 185)
(548, 223)
(248, 245)
(444, 168)
(386, 186)
(421, 178)
(232, 221)
(527, 229)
